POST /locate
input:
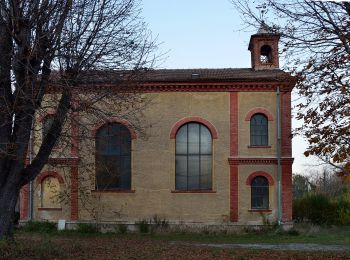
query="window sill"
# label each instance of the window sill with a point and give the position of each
(193, 191)
(50, 209)
(260, 210)
(259, 146)
(113, 191)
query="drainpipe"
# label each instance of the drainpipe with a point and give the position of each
(279, 173)
(30, 217)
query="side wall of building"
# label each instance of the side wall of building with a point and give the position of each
(153, 192)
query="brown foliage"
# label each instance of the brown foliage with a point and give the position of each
(316, 44)
(70, 38)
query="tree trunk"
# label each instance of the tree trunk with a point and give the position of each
(8, 199)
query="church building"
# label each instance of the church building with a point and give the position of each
(214, 149)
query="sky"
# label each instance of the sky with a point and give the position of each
(207, 34)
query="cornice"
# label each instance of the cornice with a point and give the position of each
(154, 87)
(69, 161)
(247, 161)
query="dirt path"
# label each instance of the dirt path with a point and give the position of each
(281, 247)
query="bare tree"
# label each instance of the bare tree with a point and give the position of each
(316, 43)
(58, 47)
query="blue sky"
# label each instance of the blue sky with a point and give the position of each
(198, 33)
(205, 34)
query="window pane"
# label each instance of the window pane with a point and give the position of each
(260, 193)
(181, 140)
(193, 138)
(193, 172)
(48, 120)
(205, 141)
(193, 157)
(259, 130)
(205, 179)
(181, 172)
(113, 157)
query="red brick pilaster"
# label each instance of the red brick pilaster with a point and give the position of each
(233, 192)
(287, 197)
(286, 124)
(74, 210)
(24, 202)
(74, 193)
(233, 153)
(233, 124)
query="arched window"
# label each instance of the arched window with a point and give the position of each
(265, 54)
(113, 157)
(46, 125)
(193, 157)
(50, 191)
(258, 130)
(47, 122)
(260, 193)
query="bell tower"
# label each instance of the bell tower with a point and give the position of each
(264, 49)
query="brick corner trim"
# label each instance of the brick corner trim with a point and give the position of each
(197, 119)
(124, 122)
(53, 174)
(259, 173)
(259, 110)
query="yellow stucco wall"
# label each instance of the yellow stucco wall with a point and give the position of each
(247, 101)
(153, 163)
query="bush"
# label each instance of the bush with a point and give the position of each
(42, 227)
(320, 209)
(122, 229)
(86, 228)
(342, 204)
(143, 226)
(159, 222)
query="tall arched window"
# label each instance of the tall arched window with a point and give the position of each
(260, 193)
(113, 157)
(193, 157)
(46, 125)
(47, 122)
(259, 130)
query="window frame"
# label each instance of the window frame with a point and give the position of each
(253, 136)
(121, 157)
(200, 188)
(255, 193)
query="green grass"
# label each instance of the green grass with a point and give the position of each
(326, 236)
(300, 234)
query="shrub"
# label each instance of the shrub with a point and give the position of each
(86, 228)
(159, 222)
(37, 226)
(320, 209)
(122, 229)
(143, 226)
(342, 205)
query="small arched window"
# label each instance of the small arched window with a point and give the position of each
(259, 130)
(50, 191)
(260, 193)
(113, 157)
(265, 54)
(193, 157)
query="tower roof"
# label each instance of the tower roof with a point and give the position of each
(264, 29)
